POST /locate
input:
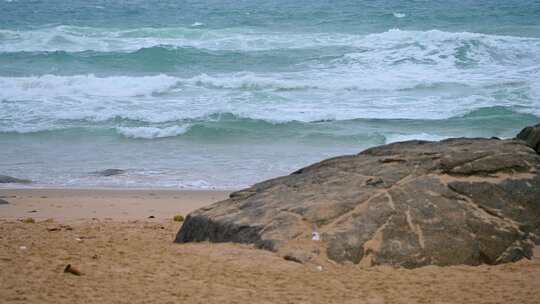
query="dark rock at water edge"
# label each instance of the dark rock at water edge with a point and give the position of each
(531, 135)
(110, 172)
(4, 179)
(3, 202)
(408, 204)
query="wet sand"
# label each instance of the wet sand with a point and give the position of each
(118, 204)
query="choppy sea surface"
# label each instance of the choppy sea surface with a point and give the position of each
(222, 94)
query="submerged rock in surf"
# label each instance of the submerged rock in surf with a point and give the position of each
(110, 172)
(4, 179)
(408, 204)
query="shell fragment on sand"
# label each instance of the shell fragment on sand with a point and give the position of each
(71, 269)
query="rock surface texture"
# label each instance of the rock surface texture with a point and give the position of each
(531, 135)
(407, 204)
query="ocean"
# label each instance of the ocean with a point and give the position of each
(222, 94)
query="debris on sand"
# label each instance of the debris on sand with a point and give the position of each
(71, 269)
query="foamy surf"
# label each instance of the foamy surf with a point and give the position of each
(78, 39)
(392, 138)
(245, 92)
(152, 132)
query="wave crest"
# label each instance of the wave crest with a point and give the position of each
(37, 87)
(152, 132)
(77, 39)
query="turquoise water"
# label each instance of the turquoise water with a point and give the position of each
(216, 94)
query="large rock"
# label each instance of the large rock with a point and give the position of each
(4, 179)
(409, 204)
(531, 135)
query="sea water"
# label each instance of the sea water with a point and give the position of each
(222, 94)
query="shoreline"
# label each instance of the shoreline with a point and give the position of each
(67, 204)
(119, 188)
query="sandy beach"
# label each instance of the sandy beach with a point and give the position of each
(126, 257)
(117, 204)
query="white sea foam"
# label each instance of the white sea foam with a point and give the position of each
(195, 184)
(399, 15)
(252, 82)
(152, 132)
(395, 74)
(418, 136)
(50, 86)
(29, 104)
(197, 24)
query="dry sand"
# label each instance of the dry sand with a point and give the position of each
(132, 259)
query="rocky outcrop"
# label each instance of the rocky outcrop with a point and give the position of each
(531, 135)
(4, 179)
(408, 204)
(3, 202)
(110, 172)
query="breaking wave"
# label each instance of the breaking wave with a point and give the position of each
(77, 39)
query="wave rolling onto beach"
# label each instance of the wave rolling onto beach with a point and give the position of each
(181, 96)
